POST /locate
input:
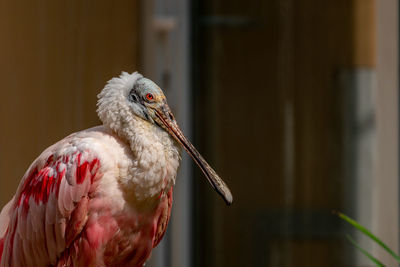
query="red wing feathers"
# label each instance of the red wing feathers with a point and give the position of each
(50, 209)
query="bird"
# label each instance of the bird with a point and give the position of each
(102, 196)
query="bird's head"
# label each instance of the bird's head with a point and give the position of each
(132, 95)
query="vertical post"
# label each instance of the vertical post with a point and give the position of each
(165, 59)
(286, 78)
(386, 202)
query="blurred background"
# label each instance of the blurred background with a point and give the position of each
(295, 104)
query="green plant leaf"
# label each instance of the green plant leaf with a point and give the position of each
(369, 234)
(366, 253)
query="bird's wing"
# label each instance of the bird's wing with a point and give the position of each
(49, 209)
(165, 207)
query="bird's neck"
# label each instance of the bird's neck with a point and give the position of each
(156, 158)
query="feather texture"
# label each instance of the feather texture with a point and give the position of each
(71, 208)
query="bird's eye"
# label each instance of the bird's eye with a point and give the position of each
(149, 97)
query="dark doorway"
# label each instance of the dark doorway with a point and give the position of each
(269, 114)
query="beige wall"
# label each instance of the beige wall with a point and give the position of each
(55, 56)
(386, 193)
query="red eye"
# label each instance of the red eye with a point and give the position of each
(149, 96)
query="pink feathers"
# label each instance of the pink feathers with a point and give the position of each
(50, 208)
(85, 168)
(70, 208)
(39, 184)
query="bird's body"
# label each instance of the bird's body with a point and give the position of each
(99, 197)
(78, 203)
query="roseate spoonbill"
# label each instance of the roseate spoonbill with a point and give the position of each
(102, 196)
